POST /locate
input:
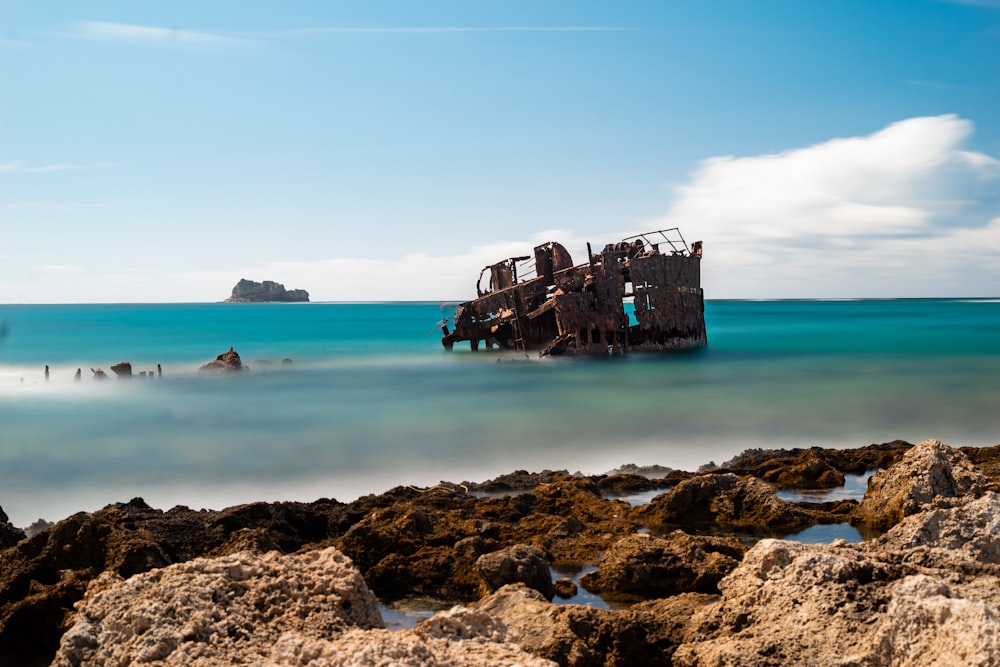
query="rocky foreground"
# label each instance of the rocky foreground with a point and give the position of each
(698, 572)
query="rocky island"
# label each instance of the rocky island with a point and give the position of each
(248, 291)
(703, 570)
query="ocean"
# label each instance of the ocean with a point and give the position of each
(369, 399)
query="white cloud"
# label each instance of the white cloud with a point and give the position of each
(901, 212)
(153, 35)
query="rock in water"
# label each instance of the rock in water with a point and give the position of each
(225, 362)
(519, 563)
(267, 291)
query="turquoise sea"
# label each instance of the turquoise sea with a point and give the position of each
(371, 399)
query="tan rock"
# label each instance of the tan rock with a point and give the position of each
(219, 611)
(926, 593)
(930, 474)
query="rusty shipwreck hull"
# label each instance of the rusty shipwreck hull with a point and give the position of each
(546, 303)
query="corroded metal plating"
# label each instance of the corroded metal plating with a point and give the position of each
(642, 293)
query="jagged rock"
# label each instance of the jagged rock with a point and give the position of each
(227, 610)
(42, 577)
(945, 538)
(277, 610)
(9, 535)
(907, 599)
(459, 637)
(250, 291)
(519, 563)
(644, 566)
(726, 499)
(225, 362)
(578, 636)
(929, 474)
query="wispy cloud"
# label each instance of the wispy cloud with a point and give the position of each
(106, 31)
(903, 211)
(22, 167)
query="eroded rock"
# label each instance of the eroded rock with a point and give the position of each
(226, 610)
(930, 474)
(907, 599)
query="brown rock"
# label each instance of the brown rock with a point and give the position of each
(226, 362)
(810, 470)
(643, 566)
(578, 636)
(9, 535)
(517, 564)
(728, 500)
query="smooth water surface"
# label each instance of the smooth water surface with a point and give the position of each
(371, 399)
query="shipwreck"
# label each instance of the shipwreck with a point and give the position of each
(642, 293)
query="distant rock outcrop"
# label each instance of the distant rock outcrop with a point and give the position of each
(250, 291)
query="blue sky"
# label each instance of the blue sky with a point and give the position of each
(376, 150)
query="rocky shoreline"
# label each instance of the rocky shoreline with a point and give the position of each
(696, 576)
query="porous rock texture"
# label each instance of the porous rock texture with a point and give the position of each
(930, 474)
(906, 599)
(311, 608)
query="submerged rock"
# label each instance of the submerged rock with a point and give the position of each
(225, 362)
(123, 369)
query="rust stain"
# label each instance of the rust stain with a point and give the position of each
(546, 303)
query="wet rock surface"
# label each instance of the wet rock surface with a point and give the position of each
(427, 542)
